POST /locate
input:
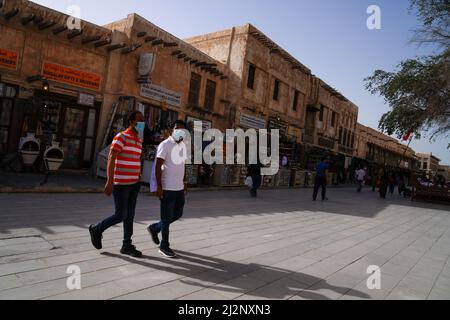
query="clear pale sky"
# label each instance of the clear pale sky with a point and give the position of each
(328, 36)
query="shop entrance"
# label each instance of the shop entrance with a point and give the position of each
(77, 136)
(60, 118)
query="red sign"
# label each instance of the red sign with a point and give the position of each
(71, 76)
(8, 59)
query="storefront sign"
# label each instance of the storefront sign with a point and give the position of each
(206, 125)
(160, 94)
(86, 99)
(252, 122)
(275, 124)
(327, 143)
(8, 59)
(71, 76)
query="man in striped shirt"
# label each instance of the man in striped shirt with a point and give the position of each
(124, 174)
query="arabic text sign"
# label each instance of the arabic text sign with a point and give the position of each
(8, 59)
(71, 76)
(161, 94)
(252, 122)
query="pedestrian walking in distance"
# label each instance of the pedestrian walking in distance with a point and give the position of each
(124, 174)
(254, 171)
(321, 179)
(384, 183)
(360, 176)
(172, 187)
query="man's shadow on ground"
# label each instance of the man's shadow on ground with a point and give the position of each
(207, 270)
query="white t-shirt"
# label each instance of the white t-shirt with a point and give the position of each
(174, 156)
(360, 175)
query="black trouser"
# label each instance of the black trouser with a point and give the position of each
(401, 189)
(172, 206)
(257, 180)
(125, 197)
(360, 185)
(391, 188)
(320, 182)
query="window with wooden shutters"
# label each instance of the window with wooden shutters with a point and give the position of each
(210, 95)
(276, 90)
(333, 119)
(251, 77)
(194, 89)
(322, 113)
(296, 95)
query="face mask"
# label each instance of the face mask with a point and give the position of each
(140, 127)
(178, 135)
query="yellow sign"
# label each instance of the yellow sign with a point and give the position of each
(8, 59)
(71, 76)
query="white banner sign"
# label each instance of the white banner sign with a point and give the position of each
(206, 125)
(252, 122)
(86, 99)
(157, 93)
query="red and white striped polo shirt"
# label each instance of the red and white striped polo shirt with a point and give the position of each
(128, 163)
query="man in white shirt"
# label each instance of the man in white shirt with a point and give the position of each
(360, 177)
(170, 176)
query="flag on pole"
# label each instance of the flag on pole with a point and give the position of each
(407, 136)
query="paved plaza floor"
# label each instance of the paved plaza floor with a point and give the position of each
(279, 246)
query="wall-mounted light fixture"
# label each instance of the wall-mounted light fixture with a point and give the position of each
(46, 86)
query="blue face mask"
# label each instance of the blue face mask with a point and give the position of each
(140, 127)
(178, 135)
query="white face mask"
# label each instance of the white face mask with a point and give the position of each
(178, 135)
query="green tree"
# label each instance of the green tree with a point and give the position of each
(418, 93)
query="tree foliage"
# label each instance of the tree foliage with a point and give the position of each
(418, 93)
(435, 17)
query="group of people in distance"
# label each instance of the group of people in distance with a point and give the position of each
(385, 180)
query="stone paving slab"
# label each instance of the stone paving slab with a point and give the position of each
(279, 246)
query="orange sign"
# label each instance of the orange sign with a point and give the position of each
(71, 76)
(8, 59)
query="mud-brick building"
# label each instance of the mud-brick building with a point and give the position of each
(377, 150)
(54, 81)
(267, 87)
(429, 164)
(329, 127)
(164, 74)
(76, 85)
(166, 79)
